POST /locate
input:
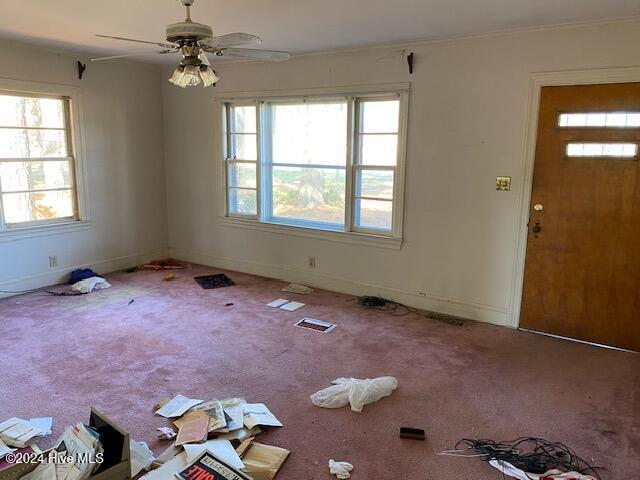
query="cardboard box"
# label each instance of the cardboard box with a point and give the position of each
(115, 442)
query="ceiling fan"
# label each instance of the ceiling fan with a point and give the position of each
(194, 40)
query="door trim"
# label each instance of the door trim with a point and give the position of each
(536, 82)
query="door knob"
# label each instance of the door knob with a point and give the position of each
(536, 228)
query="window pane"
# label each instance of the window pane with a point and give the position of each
(311, 194)
(242, 175)
(310, 133)
(28, 207)
(243, 119)
(379, 116)
(627, 150)
(17, 176)
(378, 149)
(242, 202)
(600, 119)
(20, 143)
(375, 183)
(31, 112)
(375, 214)
(244, 147)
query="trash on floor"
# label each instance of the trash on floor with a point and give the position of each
(412, 433)
(141, 457)
(80, 274)
(315, 324)
(16, 432)
(88, 285)
(221, 448)
(193, 427)
(43, 423)
(297, 288)
(258, 414)
(168, 278)
(340, 469)
(262, 462)
(283, 304)
(223, 429)
(166, 433)
(206, 466)
(219, 280)
(177, 406)
(354, 391)
(528, 458)
(167, 264)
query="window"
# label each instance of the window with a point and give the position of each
(37, 171)
(594, 149)
(330, 163)
(599, 120)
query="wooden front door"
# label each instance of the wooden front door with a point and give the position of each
(582, 271)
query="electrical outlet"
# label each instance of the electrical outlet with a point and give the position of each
(53, 261)
(312, 262)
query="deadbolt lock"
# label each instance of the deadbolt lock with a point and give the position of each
(538, 207)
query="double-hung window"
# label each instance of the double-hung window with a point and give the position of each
(324, 162)
(37, 171)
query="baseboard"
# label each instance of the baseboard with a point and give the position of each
(60, 275)
(472, 311)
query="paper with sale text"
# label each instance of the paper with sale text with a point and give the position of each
(208, 467)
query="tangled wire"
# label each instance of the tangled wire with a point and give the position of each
(531, 454)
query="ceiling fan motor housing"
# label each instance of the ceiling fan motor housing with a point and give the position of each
(188, 31)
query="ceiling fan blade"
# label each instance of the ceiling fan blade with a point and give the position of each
(160, 44)
(231, 40)
(113, 57)
(265, 55)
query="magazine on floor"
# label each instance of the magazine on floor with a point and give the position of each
(208, 466)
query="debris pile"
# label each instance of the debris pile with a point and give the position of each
(215, 437)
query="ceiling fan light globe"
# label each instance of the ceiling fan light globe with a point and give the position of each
(208, 76)
(177, 76)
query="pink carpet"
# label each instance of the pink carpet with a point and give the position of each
(61, 355)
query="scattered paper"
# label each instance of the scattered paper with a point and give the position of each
(213, 409)
(221, 449)
(233, 409)
(262, 462)
(4, 449)
(259, 414)
(166, 433)
(278, 303)
(17, 432)
(207, 466)
(43, 423)
(141, 457)
(168, 470)
(297, 288)
(177, 406)
(284, 304)
(193, 427)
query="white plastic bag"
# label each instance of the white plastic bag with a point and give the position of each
(340, 469)
(355, 391)
(90, 284)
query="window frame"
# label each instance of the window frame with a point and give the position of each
(349, 231)
(71, 97)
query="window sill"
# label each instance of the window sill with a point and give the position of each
(43, 230)
(354, 238)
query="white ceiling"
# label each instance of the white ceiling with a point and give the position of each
(294, 25)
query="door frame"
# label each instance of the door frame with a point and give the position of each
(537, 81)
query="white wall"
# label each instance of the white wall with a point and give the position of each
(468, 109)
(123, 129)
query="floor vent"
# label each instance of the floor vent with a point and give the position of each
(448, 319)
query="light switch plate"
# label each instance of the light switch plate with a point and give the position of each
(503, 184)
